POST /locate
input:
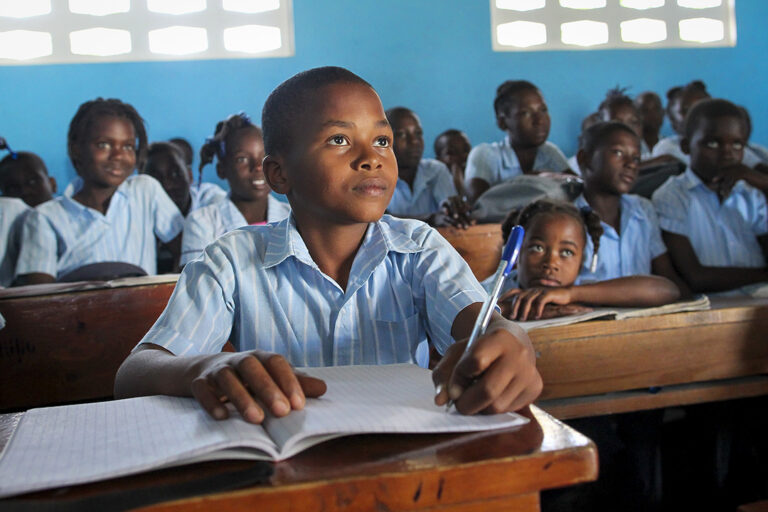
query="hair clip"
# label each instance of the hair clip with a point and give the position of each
(585, 210)
(242, 115)
(593, 263)
(4, 145)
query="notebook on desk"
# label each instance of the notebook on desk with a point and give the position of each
(698, 303)
(61, 446)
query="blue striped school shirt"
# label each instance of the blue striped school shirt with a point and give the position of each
(496, 162)
(12, 214)
(432, 185)
(722, 234)
(204, 194)
(62, 235)
(259, 287)
(629, 252)
(203, 226)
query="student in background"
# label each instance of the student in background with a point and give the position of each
(111, 215)
(238, 147)
(631, 243)
(550, 261)
(24, 175)
(186, 148)
(680, 101)
(165, 162)
(336, 283)
(12, 214)
(425, 188)
(591, 119)
(521, 113)
(651, 110)
(714, 217)
(452, 148)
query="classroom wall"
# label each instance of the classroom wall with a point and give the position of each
(431, 55)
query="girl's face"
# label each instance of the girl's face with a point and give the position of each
(613, 167)
(453, 150)
(107, 155)
(242, 165)
(553, 249)
(527, 120)
(172, 172)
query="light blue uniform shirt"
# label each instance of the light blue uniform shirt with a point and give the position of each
(432, 185)
(205, 194)
(495, 162)
(627, 253)
(62, 235)
(203, 226)
(12, 214)
(259, 287)
(722, 234)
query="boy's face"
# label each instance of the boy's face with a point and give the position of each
(242, 166)
(715, 145)
(627, 114)
(552, 251)
(527, 120)
(453, 150)
(28, 181)
(172, 172)
(613, 166)
(341, 168)
(107, 156)
(408, 141)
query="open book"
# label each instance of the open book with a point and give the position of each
(59, 446)
(698, 303)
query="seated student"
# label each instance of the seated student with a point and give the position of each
(651, 110)
(239, 149)
(551, 259)
(714, 217)
(452, 148)
(680, 101)
(522, 114)
(12, 214)
(631, 243)
(165, 162)
(336, 283)
(424, 189)
(186, 148)
(591, 119)
(24, 175)
(755, 155)
(111, 216)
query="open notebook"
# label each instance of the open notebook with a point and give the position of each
(60, 446)
(698, 303)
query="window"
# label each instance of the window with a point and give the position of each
(64, 31)
(527, 25)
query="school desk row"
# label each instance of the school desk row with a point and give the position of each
(65, 346)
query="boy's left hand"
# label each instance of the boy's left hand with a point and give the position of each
(497, 374)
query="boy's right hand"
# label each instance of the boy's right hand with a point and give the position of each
(254, 382)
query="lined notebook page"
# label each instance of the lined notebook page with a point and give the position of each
(375, 399)
(58, 446)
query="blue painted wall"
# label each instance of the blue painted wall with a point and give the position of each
(431, 55)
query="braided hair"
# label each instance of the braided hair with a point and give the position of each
(588, 219)
(89, 111)
(216, 146)
(614, 98)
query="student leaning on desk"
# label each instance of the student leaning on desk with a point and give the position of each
(336, 283)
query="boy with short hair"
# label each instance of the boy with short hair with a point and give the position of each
(714, 217)
(25, 176)
(335, 283)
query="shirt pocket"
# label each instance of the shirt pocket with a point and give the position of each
(397, 340)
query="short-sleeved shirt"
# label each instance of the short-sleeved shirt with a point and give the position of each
(62, 235)
(722, 234)
(432, 185)
(203, 226)
(671, 146)
(629, 252)
(496, 162)
(204, 194)
(259, 287)
(12, 214)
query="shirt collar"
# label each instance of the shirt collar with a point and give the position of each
(284, 240)
(508, 155)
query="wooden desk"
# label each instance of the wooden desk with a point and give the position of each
(67, 347)
(484, 472)
(479, 245)
(589, 368)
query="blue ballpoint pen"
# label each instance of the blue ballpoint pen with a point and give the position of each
(508, 259)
